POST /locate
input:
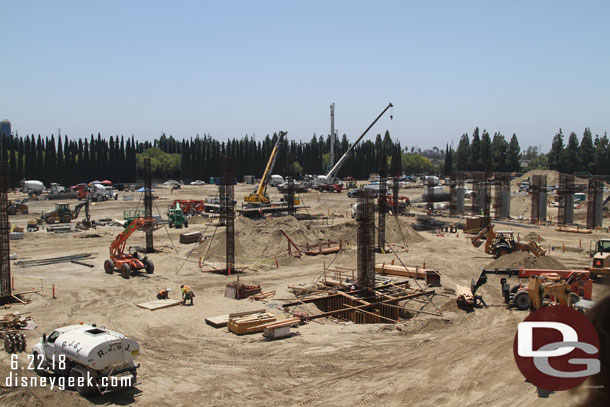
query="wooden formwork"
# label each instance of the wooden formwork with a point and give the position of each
(380, 305)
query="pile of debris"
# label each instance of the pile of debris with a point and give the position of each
(9, 325)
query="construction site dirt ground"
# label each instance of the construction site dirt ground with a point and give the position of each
(459, 358)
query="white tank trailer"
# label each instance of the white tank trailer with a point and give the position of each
(103, 358)
(33, 186)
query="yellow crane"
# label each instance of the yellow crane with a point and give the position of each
(259, 197)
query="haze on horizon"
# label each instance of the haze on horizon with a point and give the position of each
(253, 68)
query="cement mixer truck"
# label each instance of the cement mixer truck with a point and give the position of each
(94, 360)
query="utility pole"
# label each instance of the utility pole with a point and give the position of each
(332, 136)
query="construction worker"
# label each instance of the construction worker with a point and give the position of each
(187, 294)
(163, 294)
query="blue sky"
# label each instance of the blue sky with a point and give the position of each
(245, 67)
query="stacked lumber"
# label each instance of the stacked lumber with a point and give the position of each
(222, 320)
(190, 237)
(13, 322)
(432, 277)
(464, 296)
(250, 323)
(262, 295)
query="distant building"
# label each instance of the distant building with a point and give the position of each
(5, 127)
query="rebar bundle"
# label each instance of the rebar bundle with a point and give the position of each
(5, 264)
(148, 205)
(594, 202)
(290, 196)
(382, 200)
(227, 209)
(365, 216)
(395, 170)
(501, 184)
(566, 192)
(538, 191)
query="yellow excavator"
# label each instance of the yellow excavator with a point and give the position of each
(260, 197)
(503, 242)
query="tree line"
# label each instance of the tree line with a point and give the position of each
(590, 155)
(120, 159)
(484, 153)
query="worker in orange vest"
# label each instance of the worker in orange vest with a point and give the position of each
(187, 294)
(163, 294)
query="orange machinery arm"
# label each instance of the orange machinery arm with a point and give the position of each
(476, 241)
(118, 245)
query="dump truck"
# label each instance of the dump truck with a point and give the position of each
(503, 242)
(601, 259)
(99, 360)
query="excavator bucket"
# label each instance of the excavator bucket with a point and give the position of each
(536, 249)
(477, 243)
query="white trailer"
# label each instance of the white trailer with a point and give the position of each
(33, 186)
(99, 360)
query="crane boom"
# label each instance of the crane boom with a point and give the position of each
(335, 169)
(118, 245)
(270, 164)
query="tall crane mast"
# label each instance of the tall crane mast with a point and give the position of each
(259, 195)
(335, 169)
(331, 162)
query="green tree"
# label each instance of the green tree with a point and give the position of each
(486, 151)
(475, 162)
(448, 160)
(586, 153)
(462, 154)
(499, 148)
(555, 156)
(514, 154)
(571, 153)
(600, 158)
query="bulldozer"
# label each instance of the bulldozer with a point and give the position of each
(62, 213)
(18, 207)
(503, 242)
(135, 259)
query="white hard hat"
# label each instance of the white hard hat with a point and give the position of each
(168, 289)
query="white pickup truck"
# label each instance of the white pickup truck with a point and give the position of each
(104, 359)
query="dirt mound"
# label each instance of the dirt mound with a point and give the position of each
(552, 176)
(524, 260)
(263, 239)
(533, 236)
